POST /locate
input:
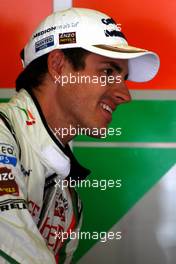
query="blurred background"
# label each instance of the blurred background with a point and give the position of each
(143, 157)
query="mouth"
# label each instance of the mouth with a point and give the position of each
(107, 111)
(106, 107)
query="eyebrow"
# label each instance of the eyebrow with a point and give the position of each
(117, 67)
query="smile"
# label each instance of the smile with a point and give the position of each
(106, 107)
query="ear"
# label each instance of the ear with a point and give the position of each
(55, 63)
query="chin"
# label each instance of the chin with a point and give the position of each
(95, 129)
(99, 132)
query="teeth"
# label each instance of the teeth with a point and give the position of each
(106, 107)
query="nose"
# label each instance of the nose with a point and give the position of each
(121, 93)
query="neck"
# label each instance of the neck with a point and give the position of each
(60, 124)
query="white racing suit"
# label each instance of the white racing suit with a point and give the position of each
(34, 208)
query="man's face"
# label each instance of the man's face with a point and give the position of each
(89, 102)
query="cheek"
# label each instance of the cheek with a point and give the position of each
(81, 101)
(86, 95)
(75, 99)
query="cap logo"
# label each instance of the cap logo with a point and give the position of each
(108, 21)
(67, 38)
(44, 43)
(44, 31)
(114, 33)
(111, 32)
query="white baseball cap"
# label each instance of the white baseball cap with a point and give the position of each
(95, 32)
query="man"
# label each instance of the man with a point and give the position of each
(75, 67)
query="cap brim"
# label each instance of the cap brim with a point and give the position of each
(143, 65)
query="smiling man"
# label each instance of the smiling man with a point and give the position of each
(75, 69)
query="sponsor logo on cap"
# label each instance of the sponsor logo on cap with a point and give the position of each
(112, 27)
(67, 38)
(44, 43)
(108, 21)
(44, 31)
(68, 25)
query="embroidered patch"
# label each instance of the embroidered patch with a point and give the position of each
(67, 38)
(8, 184)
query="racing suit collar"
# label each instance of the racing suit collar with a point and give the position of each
(77, 171)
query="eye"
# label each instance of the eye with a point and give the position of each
(108, 71)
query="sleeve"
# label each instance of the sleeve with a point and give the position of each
(20, 239)
(66, 255)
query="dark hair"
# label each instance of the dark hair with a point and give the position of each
(76, 57)
(33, 75)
